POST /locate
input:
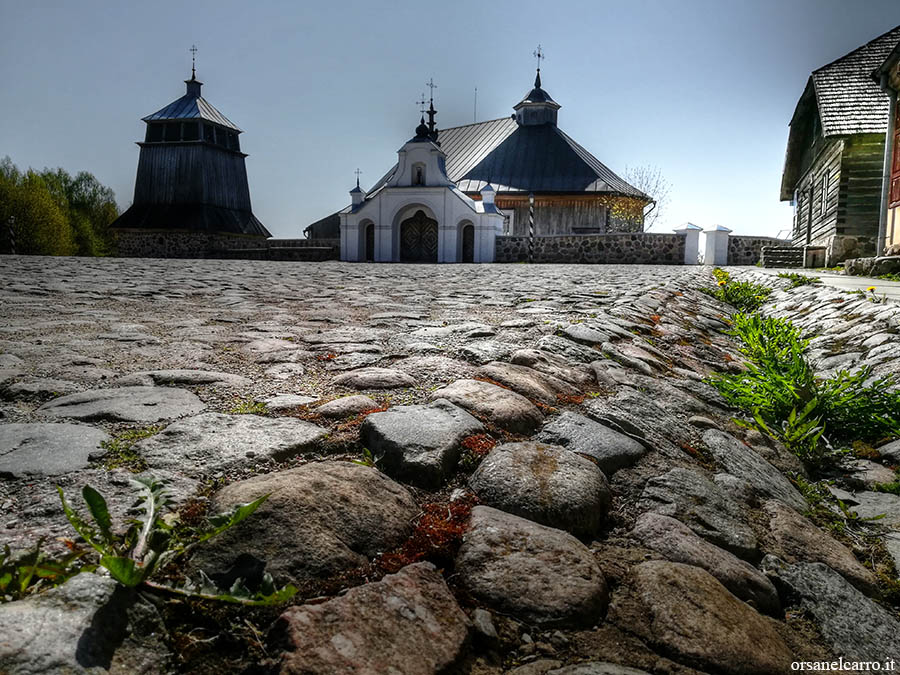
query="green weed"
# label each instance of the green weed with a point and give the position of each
(120, 452)
(798, 279)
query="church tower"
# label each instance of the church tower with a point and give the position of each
(191, 197)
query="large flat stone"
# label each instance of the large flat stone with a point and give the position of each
(742, 461)
(125, 404)
(47, 449)
(881, 505)
(182, 376)
(853, 625)
(90, 624)
(320, 519)
(375, 378)
(678, 543)
(536, 573)
(546, 484)
(419, 444)
(609, 448)
(795, 539)
(346, 406)
(704, 506)
(37, 388)
(530, 383)
(497, 405)
(407, 623)
(211, 442)
(695, 620)
(557, 366)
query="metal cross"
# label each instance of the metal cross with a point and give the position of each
(193, 51)
(422, 103)
(357, 172)
(431, 85)
(539, 55)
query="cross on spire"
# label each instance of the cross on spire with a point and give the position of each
(431, 85)
(539, 55)
(193, 51)
(357, 172)
(421, 103)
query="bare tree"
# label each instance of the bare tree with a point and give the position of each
(649, 180)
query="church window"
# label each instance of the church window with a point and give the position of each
(173, 131)
(418, 174)
(154, 133)
(190, 131)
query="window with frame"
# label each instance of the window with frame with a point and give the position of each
(826, 185)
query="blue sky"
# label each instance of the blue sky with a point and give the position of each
(702, 89)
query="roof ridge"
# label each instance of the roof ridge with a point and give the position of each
(858, 49)
(475, 124)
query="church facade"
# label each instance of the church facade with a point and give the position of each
(419, 215)
(530, 163)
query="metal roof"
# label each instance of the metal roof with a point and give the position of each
(516, 158)
(849, 100)
(192, 106)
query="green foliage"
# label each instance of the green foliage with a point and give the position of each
(815, 418)
(744, 296)
(892, 276)
(53, 213)
(154, 538)
(798, 279)
(249, 407)
(368, 459)
(30, 572)
(120, 452)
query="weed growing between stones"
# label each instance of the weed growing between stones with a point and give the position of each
(34, 571)
(817, 419)
(120, 452)
(475, 449)
(744, 296)
(796, 279)
(155, 539)
(249, 407)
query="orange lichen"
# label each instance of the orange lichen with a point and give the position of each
(436, 536)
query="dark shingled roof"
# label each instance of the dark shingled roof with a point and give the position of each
(846, 99)
(192, 106)
(193, 217)
(515, 158)
(849, 100)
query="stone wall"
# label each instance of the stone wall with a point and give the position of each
(179, 244)
(183, 244)
(747, 250)
(639, 248)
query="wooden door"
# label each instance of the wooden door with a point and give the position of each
(370, 242)
(468, 244)
(419, 239)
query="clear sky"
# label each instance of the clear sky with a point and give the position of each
(702, 89)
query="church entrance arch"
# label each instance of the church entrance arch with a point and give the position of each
(419, 239)
(370, 242)
(467, 254)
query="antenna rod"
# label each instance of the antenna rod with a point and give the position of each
(475, 108)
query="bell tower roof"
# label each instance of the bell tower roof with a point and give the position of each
(192, 106)
(537, 107)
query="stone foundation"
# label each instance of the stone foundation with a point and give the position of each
(183, 244)
(639, 248)
(748, 250)
(872, 267)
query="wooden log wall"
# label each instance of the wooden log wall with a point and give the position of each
(191, 173)
(862, 175)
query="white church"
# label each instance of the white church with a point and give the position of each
(419, 215)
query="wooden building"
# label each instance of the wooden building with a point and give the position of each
(191, 197)
(835, 154)
(528, 154)
(888, 77)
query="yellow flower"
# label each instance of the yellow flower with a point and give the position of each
(721, 283)
(871, 289)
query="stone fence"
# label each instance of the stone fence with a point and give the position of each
(647, 248)
(746, 250)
